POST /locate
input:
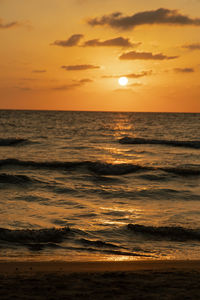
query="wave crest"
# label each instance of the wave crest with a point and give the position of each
(12, 142)
(99, 168)
(52, 235)
(143, 141)
(14, 179)
(180, 234)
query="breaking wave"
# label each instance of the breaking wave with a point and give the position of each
(37, 240)
(134, 141)
(98, 168)
(97, 243)
(95, 167)
(52, 235)
(166, 233)
(14, 179)
(12, 142)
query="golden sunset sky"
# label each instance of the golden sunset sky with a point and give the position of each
(69, 54)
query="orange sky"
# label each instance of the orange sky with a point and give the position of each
(69, 54)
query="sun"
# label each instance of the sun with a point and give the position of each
(123, 81)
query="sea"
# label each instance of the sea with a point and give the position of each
(93, 186)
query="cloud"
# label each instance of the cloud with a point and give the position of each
(133, 55)
(184, 70)
(192, 46)
(85, 80)
(38, 71)
(158, 16)
(116, 42)
(142, 74)
(73, 40)
(132, 75)
(8, 25)
(135, 84)
(71, 86)
(64, 87)
(79, 67)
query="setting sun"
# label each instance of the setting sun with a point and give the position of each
(123, 81)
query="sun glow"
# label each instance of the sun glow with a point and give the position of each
(123, 81)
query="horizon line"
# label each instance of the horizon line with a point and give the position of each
(104, 111)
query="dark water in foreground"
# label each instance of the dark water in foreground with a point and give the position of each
(96, 185)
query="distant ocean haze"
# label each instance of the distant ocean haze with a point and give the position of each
(99, 185)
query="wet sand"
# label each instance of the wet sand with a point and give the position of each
(100, 280)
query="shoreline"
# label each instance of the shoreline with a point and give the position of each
(96, 266)
(121, 280)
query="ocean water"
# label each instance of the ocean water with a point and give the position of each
(99, 186)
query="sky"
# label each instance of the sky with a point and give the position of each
(69, 55)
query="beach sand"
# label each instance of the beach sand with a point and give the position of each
(100, 280)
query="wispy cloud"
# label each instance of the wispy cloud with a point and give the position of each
(132, 75)
(158, 16)
(184, 70)
(38, 71)
(133, 55)
(115, 42)
(8, 25)
(14, 24)
(135, 84)
(84, 80)
(75, 84)
(73, 40)
(142, 74)
(59, 87)
(79, 67)
(195, 46)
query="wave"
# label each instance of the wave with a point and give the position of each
(12, 142)
(182, 171)
(107, 251)
(98, 243)
(114, 169)
(142, 141)
(95, 167)
(166, 233)
(37, 240)
(40, 165)
(52, 235)
(14, 179)
(99, 168)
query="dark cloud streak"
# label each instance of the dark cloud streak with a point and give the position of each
(158, 16)
(64, 87)
(73, 40)
(115, 42)
(79, 67)
(71, 86)
(192, 46)
(133, 55)
(184, 70)
(39, 71)
(8, 25)
(132, 75)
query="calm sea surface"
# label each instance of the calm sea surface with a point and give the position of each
(99, 186)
